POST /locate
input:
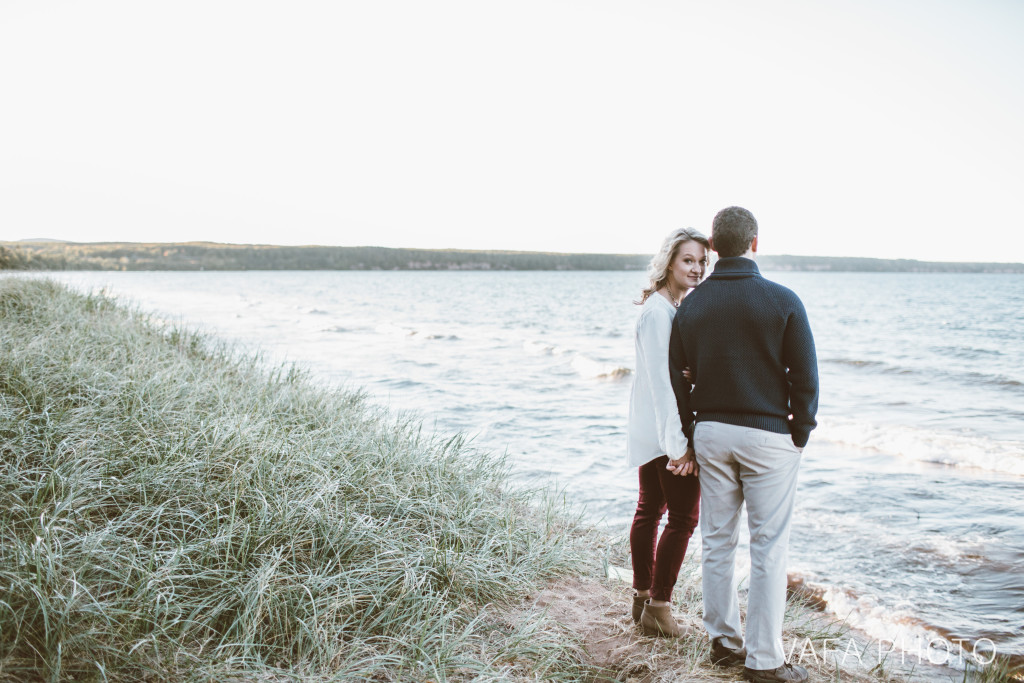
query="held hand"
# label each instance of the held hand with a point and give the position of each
(688, 375)
(690, 463)
(685, 465)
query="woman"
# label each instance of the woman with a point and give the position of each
(655, 432)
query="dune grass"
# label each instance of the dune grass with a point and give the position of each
(173, 509)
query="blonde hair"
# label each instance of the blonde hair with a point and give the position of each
(657, 269)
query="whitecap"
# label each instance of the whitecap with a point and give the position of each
(944, 448)
(538, 348)
(587, 367)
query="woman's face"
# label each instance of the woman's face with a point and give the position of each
(687, 268)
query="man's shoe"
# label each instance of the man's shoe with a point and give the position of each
(638, 608)
(657, 620)
(787, 672)
(723, 655)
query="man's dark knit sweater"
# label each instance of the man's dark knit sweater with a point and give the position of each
(749, 348)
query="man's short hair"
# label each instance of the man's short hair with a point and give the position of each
(732, 231)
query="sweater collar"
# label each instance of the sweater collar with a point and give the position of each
(733, 267)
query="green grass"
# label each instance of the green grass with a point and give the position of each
(173, 509)
(996, 671)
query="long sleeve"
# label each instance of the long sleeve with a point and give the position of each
(800, 359)
(680, 387)
(653, 332)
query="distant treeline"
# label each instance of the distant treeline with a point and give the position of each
(852, 264)
(209, 256)
(48, 255)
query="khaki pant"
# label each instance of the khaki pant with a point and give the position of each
(737, 465)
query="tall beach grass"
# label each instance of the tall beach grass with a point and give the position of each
(171, 508)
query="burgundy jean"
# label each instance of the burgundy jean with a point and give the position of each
(656, 562)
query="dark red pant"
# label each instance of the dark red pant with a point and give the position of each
(656, 561)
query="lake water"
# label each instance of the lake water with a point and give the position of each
(910, 519)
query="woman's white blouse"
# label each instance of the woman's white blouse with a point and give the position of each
(654, 425)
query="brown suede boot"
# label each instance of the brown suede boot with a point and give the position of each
(657, 620)
(638, 608)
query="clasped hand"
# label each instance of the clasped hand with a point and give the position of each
(684, 465)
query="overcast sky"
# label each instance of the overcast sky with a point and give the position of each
(889, 128)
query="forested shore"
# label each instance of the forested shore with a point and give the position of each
(56, 255)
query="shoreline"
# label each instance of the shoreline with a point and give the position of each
(932, 647)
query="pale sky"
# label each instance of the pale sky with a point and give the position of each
(889, 128)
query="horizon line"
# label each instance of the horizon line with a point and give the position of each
(44, 240)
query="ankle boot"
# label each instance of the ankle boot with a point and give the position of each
(657, 620)
(638, 608)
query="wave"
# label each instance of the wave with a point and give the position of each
(854, 362)
(580, 363)
(392, 330)
(967, 352)
(931, 548)
(931, 373)
(997, 380)
(539, 348)
(401, 383)
(892, 626)
(956, 450)
(588, 367)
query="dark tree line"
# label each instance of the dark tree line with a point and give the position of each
(205, 256)
(210, 256)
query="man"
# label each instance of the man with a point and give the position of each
(748, 345)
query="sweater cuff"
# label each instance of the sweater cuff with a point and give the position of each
(676, 441)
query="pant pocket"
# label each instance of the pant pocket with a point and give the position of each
(780, 441)
(703, 436)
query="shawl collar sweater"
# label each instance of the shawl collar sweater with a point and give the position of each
(748, 344)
